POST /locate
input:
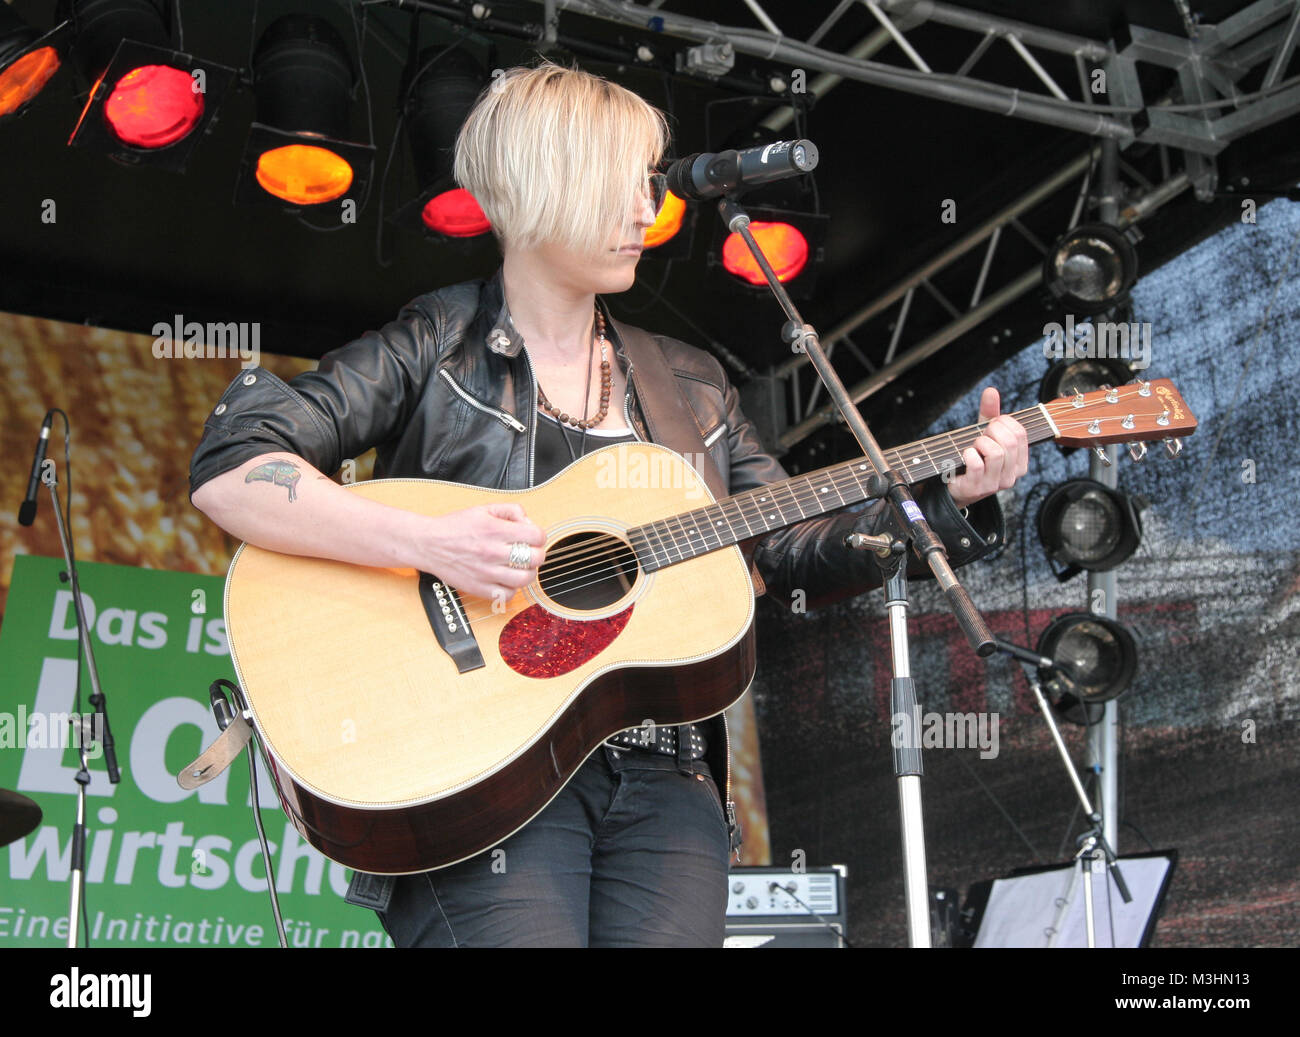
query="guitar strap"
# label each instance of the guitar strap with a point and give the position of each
(668, 417)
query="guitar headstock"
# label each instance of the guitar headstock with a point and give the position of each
(1127, 414)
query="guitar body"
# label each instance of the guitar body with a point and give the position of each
(389, 757)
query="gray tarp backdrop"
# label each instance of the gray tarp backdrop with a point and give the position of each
(1208, 759)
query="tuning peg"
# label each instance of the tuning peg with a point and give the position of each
(1137, 451)
(1173, 447)
(1102, 456)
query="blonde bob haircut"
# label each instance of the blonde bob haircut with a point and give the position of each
(557, 155)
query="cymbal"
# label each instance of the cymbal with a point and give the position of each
(18, 816)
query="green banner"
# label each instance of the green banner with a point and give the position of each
(164, 867)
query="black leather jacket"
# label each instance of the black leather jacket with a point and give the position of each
(446, 391)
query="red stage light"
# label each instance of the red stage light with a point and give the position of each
(667, 223)
(785, 247)
(153, 106)
(23, 80)
(456, 214)
(304, 174)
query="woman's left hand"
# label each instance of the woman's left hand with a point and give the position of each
(996, 459)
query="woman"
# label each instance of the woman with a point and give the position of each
(504, 383)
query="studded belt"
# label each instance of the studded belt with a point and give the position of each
(661, 739)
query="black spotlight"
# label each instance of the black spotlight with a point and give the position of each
(1096, 659)
(1091, 268)
(149, 103)
(298, 153)
(445, 85)
(1086, 525)
(28, 59)
(1084, 375)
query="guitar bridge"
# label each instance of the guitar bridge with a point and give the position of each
(451, 628)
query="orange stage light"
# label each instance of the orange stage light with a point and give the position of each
(23, 80)
(668, 223)
(304, 174)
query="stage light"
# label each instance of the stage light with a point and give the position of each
(1097, 659)
(1091, 268)
(444, 84)
(298, 151)
(783, 244)
(28, 59)
(668, 223)
(455, 214)
(792, 242)
(153, 106)
(150, 104)
(1086, 525)
(1084, 375)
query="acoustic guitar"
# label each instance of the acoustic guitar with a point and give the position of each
(409, 726)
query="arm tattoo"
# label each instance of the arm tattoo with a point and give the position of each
(280, 473)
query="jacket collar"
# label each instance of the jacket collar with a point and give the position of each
(503, 337)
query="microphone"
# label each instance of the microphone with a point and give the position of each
(712, 174)
(27, 513)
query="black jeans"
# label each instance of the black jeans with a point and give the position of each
(632, 853)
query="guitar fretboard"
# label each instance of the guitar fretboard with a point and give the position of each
(756, 512)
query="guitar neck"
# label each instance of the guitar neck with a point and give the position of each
(775, 506)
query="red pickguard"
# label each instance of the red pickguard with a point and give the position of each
(537, 643)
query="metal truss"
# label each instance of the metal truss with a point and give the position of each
(898, 299)
(1095, 91)
(1202, 115)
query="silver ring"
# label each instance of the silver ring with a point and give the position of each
(521, 555)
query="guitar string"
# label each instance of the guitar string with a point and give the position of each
(833, 477)
(620, 552)
(624, 555)
(1029, 416)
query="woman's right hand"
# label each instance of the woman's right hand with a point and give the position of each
(470, 549)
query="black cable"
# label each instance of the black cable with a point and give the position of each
(359, 33)
(252, 38)
(1038, 856)
(1042, 484)
(72, 560)
(224, 713)
(380, 257)
(773, 887)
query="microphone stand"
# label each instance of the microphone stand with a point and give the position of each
(1092, 844)
(100, 719)
(907, 524)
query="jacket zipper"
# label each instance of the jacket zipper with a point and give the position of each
(729, 806)
(532, 419)
(507, 419)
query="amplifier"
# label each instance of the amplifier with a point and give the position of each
(775, 907)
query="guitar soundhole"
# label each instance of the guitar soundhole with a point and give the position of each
(588, 571)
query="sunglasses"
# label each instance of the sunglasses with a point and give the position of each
(658, 190)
